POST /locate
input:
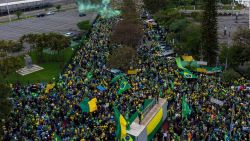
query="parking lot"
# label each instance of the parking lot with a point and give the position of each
(60, 22)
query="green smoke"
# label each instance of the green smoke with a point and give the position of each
(100, 6)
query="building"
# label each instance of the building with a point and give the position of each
(243, 2)
(27, 5)
(22, 5)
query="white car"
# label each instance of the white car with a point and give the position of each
(69, 34)
(50, 13)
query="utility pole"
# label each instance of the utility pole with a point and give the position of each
(7, 6)
(249, 14)
(227, 52)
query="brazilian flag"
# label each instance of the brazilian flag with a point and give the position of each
(185, 108)
(117, 77)
(128, 138)
(124, 85)
(57, 137)
(88, 105)
(187, 74)
(121, 124)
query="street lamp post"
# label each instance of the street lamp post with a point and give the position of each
(7, 6)
(227, 52)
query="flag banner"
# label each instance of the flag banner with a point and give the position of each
(187, 58)
(128, 138)
(101, 88)
(155, 124)
(117, 77)
(194, 64)
(161, 94)
(172, 85)
(124, 86)
(89, 75)
(185, 108)
(187, 74)
(132, 71)
(120, 125)
(178, 62)
(185, 63)
(216, 101)
(49, 87)
(202, 70)
(88, 105)
(115, 71)
(57, 137)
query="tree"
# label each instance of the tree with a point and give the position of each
(241, 40)
(54, 41)
(18, 14)
(167, 17)
(230, 76)
(155, 5)
(191, 40)
(58, 7)
(238, 53)
(9, 65)
(5, 104)
(209, 31)
(128, 31)
(121, 58)
(57, 42)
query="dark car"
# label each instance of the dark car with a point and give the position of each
(82, 14)
(40, 15)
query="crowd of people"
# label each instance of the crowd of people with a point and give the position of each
(42, 115)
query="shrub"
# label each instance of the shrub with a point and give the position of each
(84, 25)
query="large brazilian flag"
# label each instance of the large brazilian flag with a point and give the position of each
(120, 125)
(124, 85)
(88, 105)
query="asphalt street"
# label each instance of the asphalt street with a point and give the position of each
(60, 22)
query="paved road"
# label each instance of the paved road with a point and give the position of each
(34, 12)
(61, 22)
(231, 25)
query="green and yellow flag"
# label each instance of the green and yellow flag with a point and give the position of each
(124, 85)
(117, 77)
(121, 125)
(88, 105)
(188, 74)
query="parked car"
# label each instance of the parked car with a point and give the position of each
(82, 14)
(69, 34)
(50, 13)
(40, 15)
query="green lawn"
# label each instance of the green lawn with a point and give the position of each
(51, 69)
